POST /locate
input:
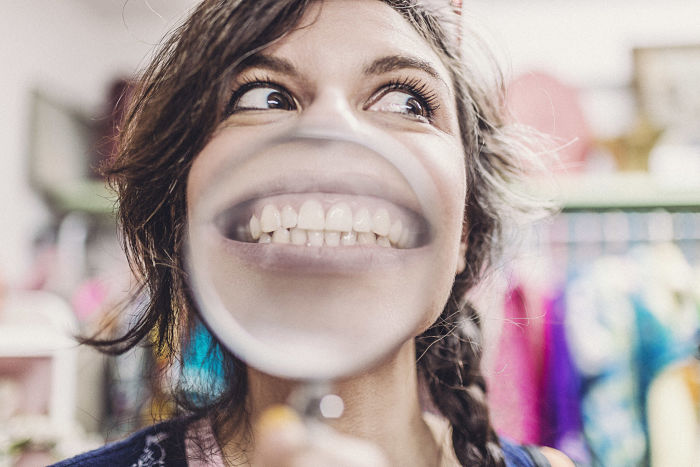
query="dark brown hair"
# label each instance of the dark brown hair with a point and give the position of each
(177, 106)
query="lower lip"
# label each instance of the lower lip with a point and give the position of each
(342, 260)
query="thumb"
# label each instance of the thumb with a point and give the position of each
(283, 440)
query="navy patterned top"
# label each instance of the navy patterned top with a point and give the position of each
(163, 445)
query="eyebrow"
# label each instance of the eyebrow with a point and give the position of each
(379, 66)
(275, 64)
(397, 62)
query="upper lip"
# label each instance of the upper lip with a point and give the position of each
(395, 192)
(353, 183)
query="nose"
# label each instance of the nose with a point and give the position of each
(330, 110)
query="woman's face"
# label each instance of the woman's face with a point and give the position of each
(325, 249)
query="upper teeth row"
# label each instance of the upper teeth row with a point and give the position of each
(338, 219)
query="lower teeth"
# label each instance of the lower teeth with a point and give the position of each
(319, 238)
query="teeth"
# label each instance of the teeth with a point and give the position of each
(311, 216)
(280, 236)
(349, 239)
(395, 231)
(332, 238)
(366, 238)
(298, 236)
(315, 238)
(338, 226)
(383, 241)
(381, 224)
(255, 229)
(270, 219)
(289, 217)
(339, 218)
(362, 221)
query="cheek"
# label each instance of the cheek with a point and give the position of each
(445, 163)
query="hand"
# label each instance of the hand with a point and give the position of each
(283, 440)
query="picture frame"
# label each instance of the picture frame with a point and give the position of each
(667, 84)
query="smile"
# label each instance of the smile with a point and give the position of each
(322, 220)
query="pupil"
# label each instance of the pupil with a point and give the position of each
(413, 106)
(277, 101)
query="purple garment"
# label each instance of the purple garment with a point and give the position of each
(562, 382)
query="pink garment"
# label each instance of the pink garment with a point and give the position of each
(515, 385)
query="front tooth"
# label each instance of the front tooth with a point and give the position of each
(349, 238)
(315, 238)
(280, 236)
(381, 224)
(265, 238)
(311, 216)
(383, 241)
(396, 231)
(255, 229)
(298, 236)
(289, 217)
(362, 221)
(332, 238)
(339, 218)
(270, 219)
(366, 238)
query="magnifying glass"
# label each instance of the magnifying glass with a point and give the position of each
(310, 254)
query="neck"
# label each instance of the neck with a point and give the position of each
(381, 405)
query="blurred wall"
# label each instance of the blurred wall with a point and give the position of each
(71, 50)
(586, 43)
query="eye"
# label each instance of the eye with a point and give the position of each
(401, 102)
(410, 97)
(261, 96)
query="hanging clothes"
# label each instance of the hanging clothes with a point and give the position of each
(563, 427)
(515, 388)
(629, 318)
(598, 322)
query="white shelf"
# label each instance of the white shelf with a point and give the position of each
(39, 325)
(21, 340)
(628, 190)
(90, 196)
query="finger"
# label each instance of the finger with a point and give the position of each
(280, 437)
(283, 440)
(334, 449)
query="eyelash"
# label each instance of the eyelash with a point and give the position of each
(246, 85)
(416, 87)
(413, 86)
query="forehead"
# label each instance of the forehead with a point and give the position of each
(344, 31)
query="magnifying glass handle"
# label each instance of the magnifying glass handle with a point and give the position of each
(315, 402)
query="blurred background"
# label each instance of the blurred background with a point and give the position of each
(591, 341)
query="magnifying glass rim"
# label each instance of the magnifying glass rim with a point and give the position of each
(241, 342)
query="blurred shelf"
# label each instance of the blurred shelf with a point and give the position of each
(629, 191)
(18, 340)
(89, 196)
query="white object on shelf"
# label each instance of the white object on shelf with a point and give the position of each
(41, 324)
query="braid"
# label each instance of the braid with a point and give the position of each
(449, 357)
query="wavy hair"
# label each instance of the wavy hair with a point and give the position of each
(178, 104)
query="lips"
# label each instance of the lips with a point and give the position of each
(318, 223)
